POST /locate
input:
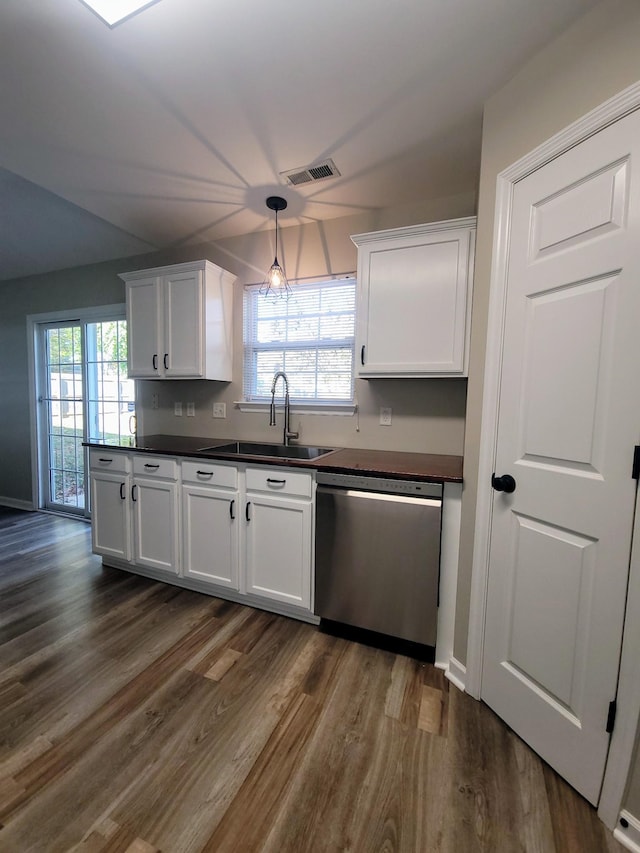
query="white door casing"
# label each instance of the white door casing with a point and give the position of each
(567, 426)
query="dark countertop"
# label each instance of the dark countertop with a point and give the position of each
(427, 467)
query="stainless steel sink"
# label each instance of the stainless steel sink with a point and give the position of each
(274, 451)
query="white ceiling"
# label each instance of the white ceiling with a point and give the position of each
(172, 128)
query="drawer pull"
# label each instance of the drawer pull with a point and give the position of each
(105, 460)
(149, 465)
(274, 482)
(204, 473)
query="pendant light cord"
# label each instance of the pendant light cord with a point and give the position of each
(276, 255)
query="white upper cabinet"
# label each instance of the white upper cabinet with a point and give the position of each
(180, 322)
(414, 300)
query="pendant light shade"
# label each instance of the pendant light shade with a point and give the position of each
(275, 283)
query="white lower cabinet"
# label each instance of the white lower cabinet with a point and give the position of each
(111, 513)
(154, 498)
(210, 527)
(247, 531)
(278, 535)
(278, 530)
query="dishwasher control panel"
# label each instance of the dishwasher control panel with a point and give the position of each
(386, 485)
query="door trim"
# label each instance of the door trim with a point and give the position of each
(623, 739)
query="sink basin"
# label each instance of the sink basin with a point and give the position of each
(274, 451)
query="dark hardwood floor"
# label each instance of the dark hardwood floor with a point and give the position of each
(135, 716)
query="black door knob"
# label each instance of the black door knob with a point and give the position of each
(506, 483)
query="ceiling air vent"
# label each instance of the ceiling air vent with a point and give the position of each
(317, 172)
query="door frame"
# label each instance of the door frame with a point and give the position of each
(628, 712)
(94, 313)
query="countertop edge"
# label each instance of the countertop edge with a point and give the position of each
(422, 467)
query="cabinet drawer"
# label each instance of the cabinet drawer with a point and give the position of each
(280, 481)
(107, 460)
(207, 473)
(155, 466)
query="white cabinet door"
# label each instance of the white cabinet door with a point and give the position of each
(155, 524)
(278, 548)
(110, 515)
(413, 300)
(144, 313)
(210, 535)
(183, 324)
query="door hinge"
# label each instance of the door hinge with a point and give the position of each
(611, 716)
(635, 470)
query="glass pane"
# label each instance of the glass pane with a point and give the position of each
(111, 396)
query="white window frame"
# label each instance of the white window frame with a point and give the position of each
(250, 346)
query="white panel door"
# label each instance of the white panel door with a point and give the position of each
(110, 515)
(144, 320)
(278, 534)
(155, 524)
(569, 418)
(183, 319)
(210, 535)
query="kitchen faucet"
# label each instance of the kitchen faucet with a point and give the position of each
(288, 435)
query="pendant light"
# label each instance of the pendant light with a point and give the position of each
(276, 284)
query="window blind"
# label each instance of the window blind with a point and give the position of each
(310, 336)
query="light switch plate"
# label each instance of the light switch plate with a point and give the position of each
(191, 410)
(219, 410)
(177, 409)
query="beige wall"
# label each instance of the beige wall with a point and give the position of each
(427, 415)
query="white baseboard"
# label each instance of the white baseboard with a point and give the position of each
(456, 673)
(15, 504)
(628, 836)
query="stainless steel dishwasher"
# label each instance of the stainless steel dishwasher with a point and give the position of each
(378, 554)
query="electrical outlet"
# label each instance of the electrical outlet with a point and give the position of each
(191, 410)
(219, 410)
(154, 400)
(177, 409)
(385, 416)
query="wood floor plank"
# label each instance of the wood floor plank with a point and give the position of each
(112, 740)
(430, 714)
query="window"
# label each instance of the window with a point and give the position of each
(310, 336)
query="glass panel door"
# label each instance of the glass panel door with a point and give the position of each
(64, 414)
(85, 394)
